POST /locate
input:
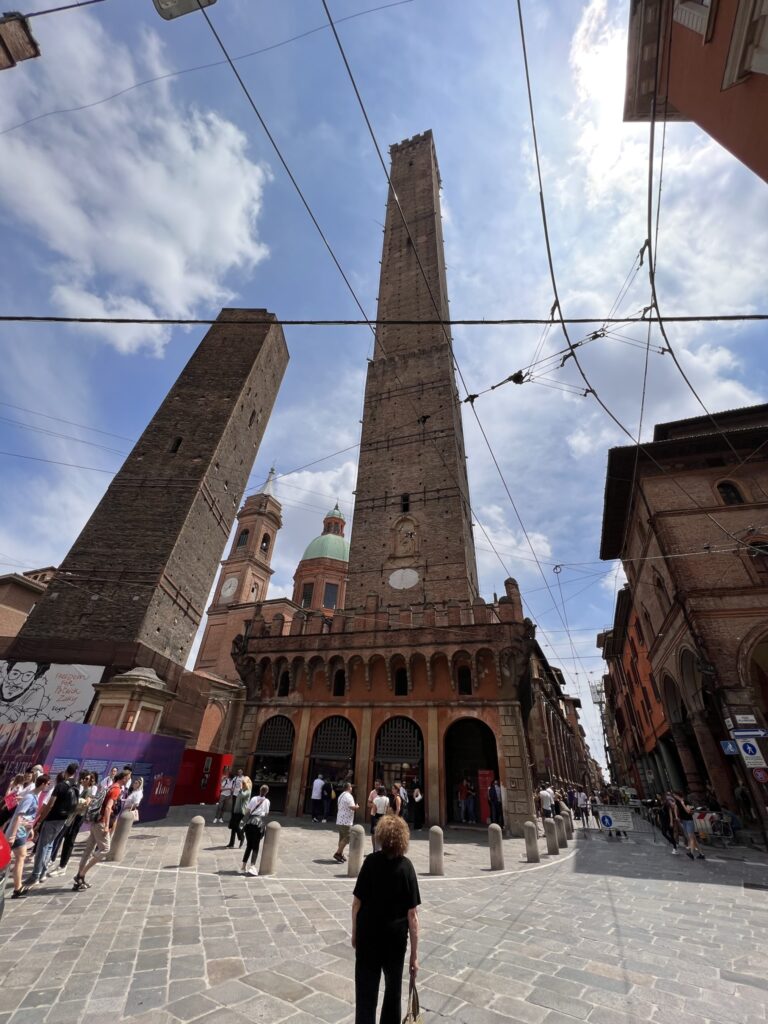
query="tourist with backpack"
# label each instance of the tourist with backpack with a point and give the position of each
(98, 816)
(254, 828)
(52, 819)
(87, 787)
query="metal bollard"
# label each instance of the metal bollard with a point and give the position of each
(120, 838)
(562, 842)
(550, 832)
(497, 848)
(568, 819)
(356, 845)
(192, 842)
(268, 862)
(436, 851)
(531, 834)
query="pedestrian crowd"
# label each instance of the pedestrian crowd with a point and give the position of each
(42, 816)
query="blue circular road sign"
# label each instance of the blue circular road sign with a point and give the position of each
(750, 749)
(606, 820)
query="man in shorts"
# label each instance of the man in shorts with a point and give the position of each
(98, 842)
(345, 819)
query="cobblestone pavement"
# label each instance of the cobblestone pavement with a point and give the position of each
(607, 932)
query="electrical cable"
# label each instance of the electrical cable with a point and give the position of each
(197, 67)
(66, 7)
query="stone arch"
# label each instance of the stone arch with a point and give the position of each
(399, 676)
(281, 675)
(271, 762)
(463, 678)
(399, 752)
(405, 537)
(752, 647)
(469, 747)
(298, 670)
(267, 686)
(331, 753)
(357, 675)
(338, 683)
(486, 668)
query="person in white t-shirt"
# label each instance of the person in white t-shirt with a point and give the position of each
(584, 808)
(345, 818)
(317, 797)
(224, 806)
(545, 802)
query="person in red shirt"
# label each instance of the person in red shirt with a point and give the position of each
(98, 842)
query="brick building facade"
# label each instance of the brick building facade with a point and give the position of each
(712, 69)
(693, 539)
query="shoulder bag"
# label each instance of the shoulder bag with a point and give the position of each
(259, 820)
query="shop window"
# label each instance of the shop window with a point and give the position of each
(284, 685)
(307, 593)
(730, 493)
(339, 683)
(242, 540)
(464, 681)
(401, 682)
(330, 595)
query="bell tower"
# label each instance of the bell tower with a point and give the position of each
(244, 578)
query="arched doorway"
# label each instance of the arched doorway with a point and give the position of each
(399, 753)
(758, 672)
(470, 758)
(332, 753)
(272, 759)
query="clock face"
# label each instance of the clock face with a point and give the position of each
(229, 588)
(403, 579)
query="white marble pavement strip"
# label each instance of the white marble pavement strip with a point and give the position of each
(623, 930)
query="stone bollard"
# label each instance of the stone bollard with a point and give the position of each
(268, 862)
(562, 842)
(497, 847)
(568, 819)
(436, 851)
(120, 838)
(531, 834)
(356, 846)
(192, 842)
(550, 832)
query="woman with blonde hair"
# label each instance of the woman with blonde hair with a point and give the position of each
(384, 917)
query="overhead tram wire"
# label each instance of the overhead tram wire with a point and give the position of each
(177, 321)
(56, 10)
(563, 323)
(435, 305)
(197, 67)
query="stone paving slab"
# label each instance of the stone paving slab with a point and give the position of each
(607, 931)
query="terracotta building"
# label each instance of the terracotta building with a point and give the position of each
(19, 593)
(417, 678)
(131, 591)
(691, 628)
(712, 69)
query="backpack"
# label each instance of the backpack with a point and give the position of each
(93, 814)
(70, 801)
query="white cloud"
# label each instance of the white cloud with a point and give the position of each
(145, 205)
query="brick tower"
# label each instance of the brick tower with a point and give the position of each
(139, 573)
(412, 534)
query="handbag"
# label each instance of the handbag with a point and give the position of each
(414, 1015)
(256, 819)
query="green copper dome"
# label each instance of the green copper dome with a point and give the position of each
(330, 545)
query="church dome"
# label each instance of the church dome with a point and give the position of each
(329, 545)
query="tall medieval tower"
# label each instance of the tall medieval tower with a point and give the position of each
(139, 574)
(412, 532)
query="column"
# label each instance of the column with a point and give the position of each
(432, 769)
(293, 793)
(513, 769)
(693, 783)
(363, 761)
(719, 776)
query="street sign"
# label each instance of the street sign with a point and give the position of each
(728, 724)
(616, 817)
(745, 733)
(760, 774)
(730, 747)
(170, 9)
(750, 754)
(746, 720)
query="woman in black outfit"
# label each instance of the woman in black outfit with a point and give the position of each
(384, 917)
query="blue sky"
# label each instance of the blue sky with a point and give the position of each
(168, 200)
